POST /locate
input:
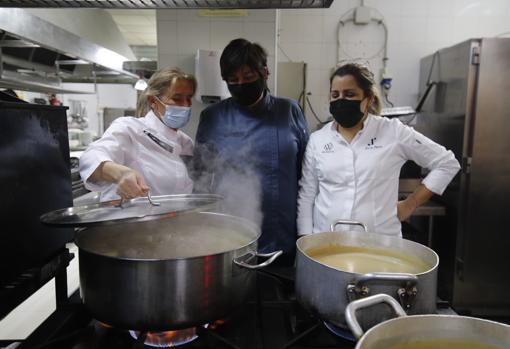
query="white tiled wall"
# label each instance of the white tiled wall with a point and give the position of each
(416, 28)
(182, 32)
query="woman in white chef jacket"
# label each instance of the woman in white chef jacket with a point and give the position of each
(136, 155)
(351, 166)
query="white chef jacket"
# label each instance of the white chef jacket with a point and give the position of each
(359, 181)
(126, 143)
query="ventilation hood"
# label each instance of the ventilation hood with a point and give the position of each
(38, 56)
(162, 4)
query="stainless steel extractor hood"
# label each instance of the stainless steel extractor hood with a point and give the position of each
(36, 55)
(161, 4)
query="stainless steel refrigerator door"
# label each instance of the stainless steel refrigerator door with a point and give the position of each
(469, 113)
(484, 283)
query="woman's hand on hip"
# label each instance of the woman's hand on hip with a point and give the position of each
(405, 208)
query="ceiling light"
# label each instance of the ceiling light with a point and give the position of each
(141, 85)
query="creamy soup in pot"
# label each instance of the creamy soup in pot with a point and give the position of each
(362, 260)
(165, 243)
(444, 344)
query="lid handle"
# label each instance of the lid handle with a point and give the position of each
(149, 197)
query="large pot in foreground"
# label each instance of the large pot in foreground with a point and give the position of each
(326, 291)
(167, 274)
(425, 331)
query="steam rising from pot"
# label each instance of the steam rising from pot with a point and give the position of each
(237, 181)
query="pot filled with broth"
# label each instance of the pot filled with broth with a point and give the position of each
(424, 331)
(337, 267)
(161, 263)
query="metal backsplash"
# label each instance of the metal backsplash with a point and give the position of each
(160, 4)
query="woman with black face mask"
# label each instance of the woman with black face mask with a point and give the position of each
(352, 165)
(249, 148)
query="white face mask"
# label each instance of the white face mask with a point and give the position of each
(175, 116)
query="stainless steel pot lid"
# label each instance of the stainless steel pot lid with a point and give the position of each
(134, 210)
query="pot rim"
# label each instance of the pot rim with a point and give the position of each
(247, 245)
(366, 234)
(427, 316)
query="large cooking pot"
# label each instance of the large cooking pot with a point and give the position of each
(425, 331)
(326, 291)
(168, 273)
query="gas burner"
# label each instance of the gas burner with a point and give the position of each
(167, 339)
(339, 331)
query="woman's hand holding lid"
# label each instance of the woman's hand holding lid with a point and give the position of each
(131, 185)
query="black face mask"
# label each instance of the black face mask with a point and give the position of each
(346, 112)
(248, 93)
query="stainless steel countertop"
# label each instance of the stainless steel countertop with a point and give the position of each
(430, 208)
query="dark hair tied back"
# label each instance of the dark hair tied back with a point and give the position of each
(365, 80)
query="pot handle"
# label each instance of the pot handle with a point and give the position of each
(240, 261)
(347, 222)
(350, 311)
(408, 279)
(406, 293)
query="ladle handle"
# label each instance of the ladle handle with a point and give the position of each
(240, 261)
(347, 222)
(352, 307)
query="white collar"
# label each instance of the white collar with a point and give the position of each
(360, 132)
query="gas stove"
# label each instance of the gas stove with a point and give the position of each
(270, 319)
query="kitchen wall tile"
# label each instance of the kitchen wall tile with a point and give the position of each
(189, 16)
(167, 60)
(290, 29)
(468, 8)
(317, 80)
(310, 28)
(490, 26)
(267, 16)
(328, 55)
(441, 8)
(310, 53)
(439, 29)
(465, 27)
(414, 29)
(224, 32)
(414, 8)
(166, 15)
(168, 30)
(330, 29)
(320, 104)
(192, 36)
(391, 8)
(261, 33)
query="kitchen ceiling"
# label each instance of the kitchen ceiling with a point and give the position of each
(160, 4)
(137, 26)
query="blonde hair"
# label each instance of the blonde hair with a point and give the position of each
(365, 80)
(159, 83)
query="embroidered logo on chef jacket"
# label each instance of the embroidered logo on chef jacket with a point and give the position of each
(328, 148)
(372, 144)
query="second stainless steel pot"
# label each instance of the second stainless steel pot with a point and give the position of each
(425, 331)
(122, 285)
(326, 291)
